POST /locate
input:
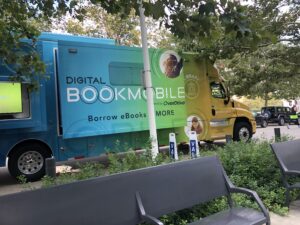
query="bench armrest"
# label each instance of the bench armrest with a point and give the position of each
(292, 172)
(254, 195)
(151, 220)
(147, 218)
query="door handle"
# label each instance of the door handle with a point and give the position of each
(213, 112)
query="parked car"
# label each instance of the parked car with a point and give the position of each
(261, 120)
(280, 115)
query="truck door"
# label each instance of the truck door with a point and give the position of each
(68, 148)
(221, 109)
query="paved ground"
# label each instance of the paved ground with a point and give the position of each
(268, 132)
(293, 218)
(9, 185)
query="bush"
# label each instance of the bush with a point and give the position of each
(133, 161)
(251, 165)
(85, 171)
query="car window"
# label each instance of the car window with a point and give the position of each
(217, 90)
(264, 110)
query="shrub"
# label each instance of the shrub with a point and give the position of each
(87, 170)
(251, 165)
(133, 161)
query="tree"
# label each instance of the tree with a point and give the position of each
(18, 20)
(270, 72)
(211, 27)
(270, 69)
(201, 26)
(98, 23)
(125, 31)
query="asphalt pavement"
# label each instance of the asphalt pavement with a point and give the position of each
(268, 132)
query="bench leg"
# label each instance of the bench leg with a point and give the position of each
(287, 197)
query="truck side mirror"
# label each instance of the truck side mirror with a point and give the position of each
(227, 100)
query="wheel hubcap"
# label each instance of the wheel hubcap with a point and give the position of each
(30, 162)
(244, 134)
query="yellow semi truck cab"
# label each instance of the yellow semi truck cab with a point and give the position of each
(211, 112)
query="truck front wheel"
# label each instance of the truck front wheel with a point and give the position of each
(242, 132)
(28, 160)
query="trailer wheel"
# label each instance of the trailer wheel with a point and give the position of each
(242, 132)
(28, 160)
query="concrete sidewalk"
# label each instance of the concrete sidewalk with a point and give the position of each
(293, 217)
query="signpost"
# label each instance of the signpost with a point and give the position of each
(148, 82)
(173, 147)
(194, 148)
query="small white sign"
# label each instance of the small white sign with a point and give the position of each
(194, 147)
(173, 146)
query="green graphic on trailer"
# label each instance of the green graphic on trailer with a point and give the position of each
(10, 97)
(101, 90)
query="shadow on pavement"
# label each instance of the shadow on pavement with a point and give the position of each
(5, 178)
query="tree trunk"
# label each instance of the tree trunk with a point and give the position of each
(266, 99)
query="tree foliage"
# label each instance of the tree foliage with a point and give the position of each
(271, 69)
(18, 20)
(124, 30)
(98, 23)
(201, 26)
(270, 72)
(214, 28)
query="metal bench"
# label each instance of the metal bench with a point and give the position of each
(133, 197)
(288, 156)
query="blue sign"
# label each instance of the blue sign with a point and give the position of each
(193, 148)
(173, 147)
(172, 150)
